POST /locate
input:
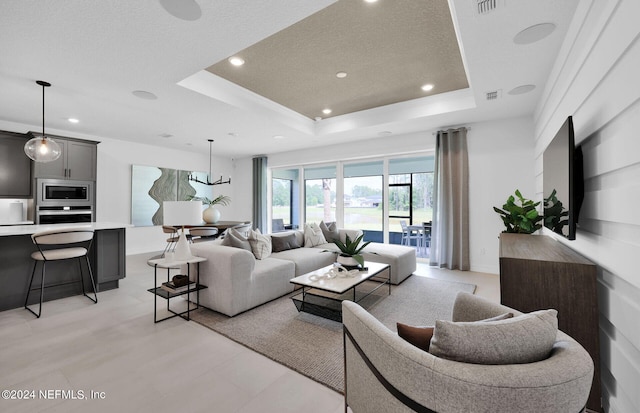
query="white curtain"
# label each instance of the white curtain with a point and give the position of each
(450, 227)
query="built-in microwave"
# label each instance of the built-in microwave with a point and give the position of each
(62, 192)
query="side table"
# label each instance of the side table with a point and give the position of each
(158, 291)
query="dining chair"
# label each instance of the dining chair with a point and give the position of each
(201, 234)
(277, 225)
(173, 238)
(408, 235)
(76, 242)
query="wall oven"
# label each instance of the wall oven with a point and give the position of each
(60, 201)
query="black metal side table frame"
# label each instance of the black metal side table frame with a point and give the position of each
(160, 292)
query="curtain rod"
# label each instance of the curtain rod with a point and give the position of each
(467, 128)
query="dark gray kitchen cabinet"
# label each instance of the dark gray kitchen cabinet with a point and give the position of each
(77, 161)
(15, 166)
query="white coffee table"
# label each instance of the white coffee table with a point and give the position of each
(323, 297)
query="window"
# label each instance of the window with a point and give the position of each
(400, 201)
(282, 195)
(285, 196)
(320, 194)
(410, 191)
(363, 201)
(422, 196)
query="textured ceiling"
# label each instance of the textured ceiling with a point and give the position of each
(388, 49)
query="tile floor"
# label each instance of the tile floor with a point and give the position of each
(121, 361)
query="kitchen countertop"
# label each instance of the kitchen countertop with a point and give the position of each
(16, 223)
(32, 229)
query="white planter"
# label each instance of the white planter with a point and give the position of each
(211, 215)
(347, 261)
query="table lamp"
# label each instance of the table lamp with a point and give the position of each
(179, 214)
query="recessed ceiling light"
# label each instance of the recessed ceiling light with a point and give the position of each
(326, 111)
(182, 9)
(73, 120)
(370, 1)
(143, 94)
(427, 87)
(534, 33)
(341, 75)
(278, 137)
(236, 61)
(522, 89)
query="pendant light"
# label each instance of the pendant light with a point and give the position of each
(41, 148)
(218, 182)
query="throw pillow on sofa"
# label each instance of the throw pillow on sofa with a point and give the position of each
(418, 336)
(421, 336)
(260, 244)
(524, 339)
(330, 231)
(236, 239)
(313, 235)
(284, 242)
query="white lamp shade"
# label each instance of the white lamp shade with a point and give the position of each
(179, 213)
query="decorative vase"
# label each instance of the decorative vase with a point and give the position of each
(347, 262)
(211, 215)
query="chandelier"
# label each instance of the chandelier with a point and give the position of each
(194, 178)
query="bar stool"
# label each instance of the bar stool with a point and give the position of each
(78, 242)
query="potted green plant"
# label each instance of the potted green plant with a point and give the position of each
(211, 215)
(520, 215)
(349, 255)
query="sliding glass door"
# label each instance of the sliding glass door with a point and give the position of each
(372, 195)
(410, 193)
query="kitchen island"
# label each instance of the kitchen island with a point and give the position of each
(107, 257)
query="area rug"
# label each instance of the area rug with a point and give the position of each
(312, 345)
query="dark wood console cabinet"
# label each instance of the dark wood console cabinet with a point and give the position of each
(537, 272)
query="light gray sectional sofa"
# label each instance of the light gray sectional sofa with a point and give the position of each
(385, 373)
(237, 281)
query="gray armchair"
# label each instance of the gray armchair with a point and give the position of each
(384, 373)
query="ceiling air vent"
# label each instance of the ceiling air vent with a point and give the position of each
(493, 95)
(486, 6)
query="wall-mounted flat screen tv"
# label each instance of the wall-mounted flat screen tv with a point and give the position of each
(563, 182)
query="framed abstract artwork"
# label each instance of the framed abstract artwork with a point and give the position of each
(151, 185)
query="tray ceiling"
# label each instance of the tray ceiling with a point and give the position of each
(388, 51)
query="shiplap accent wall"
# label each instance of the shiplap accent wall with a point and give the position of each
(596, 79)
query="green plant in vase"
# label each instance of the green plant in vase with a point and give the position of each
(520, 215)
(351, 249)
